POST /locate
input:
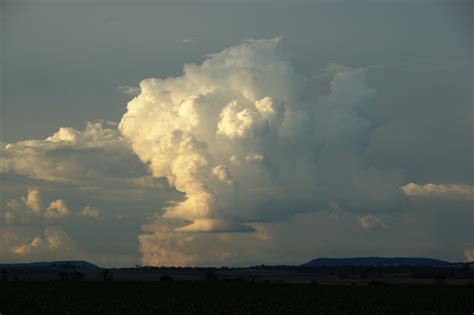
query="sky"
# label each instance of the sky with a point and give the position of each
(235, 132)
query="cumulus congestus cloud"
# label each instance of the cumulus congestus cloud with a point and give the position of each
(238, 137)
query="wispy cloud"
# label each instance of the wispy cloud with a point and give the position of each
(457, 191)
(187, 41)
(129, 90)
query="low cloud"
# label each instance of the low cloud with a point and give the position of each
(30, 209)
(53, 242)
(33, 200)
(454, 191)
(57, 209)
(89, 212)
(469, 254)
(371, 222)
(34, 243)
(164, 244)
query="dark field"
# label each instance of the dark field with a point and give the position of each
(218, 297)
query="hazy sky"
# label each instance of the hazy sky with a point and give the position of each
(296, 130)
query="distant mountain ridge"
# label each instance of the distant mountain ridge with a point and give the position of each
(373, 261)
(77, 264)
(318, 262)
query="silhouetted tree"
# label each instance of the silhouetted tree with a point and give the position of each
(106, 275)
(4, 274)
(211, 276)
(166, 278)
(466, 267)
(343, 275)
(374, 271)
(439, 278)
(76, 275)
(63, 276)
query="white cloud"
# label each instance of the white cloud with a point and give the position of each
(371, 222)
(49, 243)
(57, 209)
(455, 191)
(237, 121)
(187, 41)
(254, 157)
(30, 210)
(246, 104)
(223, 174)
(469, 254)
(234, 160)
(95, 164)
(164, 244)
(89, 212)
(53, 242)
(95, 156)
(33, 200)
(9, 238)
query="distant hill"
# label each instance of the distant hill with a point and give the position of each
(68, 264)
(373, 261)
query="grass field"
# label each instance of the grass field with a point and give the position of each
(230, 298)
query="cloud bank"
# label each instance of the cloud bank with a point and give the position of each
(69, 155)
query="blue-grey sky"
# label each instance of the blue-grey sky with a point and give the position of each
(344, 129)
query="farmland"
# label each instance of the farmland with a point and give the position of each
(230, 297)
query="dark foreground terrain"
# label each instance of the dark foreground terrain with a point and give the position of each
(223, 297)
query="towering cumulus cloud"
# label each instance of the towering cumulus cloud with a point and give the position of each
(238, 136)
